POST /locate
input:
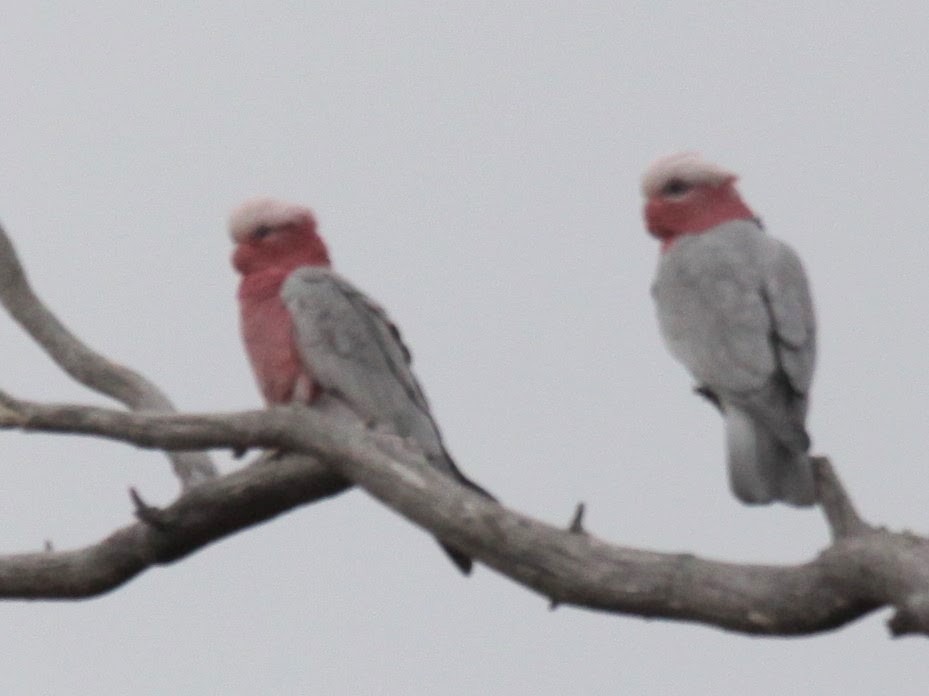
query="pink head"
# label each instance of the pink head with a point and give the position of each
(273, 234)
(685, 194)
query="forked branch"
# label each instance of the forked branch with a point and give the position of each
(859, 573)
(864, 569)
(85, 365)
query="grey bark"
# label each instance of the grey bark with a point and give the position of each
(865, 568)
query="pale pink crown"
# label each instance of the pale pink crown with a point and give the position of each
(689, 167)
(269, 212)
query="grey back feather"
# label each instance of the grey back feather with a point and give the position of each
(357, 360)
(790, 304)
(355, 354)
(734, 306)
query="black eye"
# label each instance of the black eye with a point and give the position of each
(261, 232)
(675, 187)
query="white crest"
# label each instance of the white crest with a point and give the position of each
(687, 166)
(265, 211)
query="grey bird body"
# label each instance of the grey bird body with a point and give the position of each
(358, 362)
(734, 307)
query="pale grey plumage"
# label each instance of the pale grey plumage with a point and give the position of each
(734, 306)
(357, 361)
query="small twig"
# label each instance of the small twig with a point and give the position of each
(576, 526)
(577, 522)
(844, 521)
(202, 515)
(150, 514)
(911, 618)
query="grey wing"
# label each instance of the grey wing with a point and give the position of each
(790, 303)
(357, 359)
(735, 308)
(355, 354)
(783, 293)
(711, 313)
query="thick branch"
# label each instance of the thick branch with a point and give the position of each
(856, 575)
(214, 509)
(85, 365)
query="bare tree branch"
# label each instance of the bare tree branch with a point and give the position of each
(841, 515)
(85, 365)
(864, 569)
(215, 508)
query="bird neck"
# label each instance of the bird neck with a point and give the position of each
(264, 283)
(709, 207)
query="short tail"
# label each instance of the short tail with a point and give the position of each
(761, 468)
(460, 558)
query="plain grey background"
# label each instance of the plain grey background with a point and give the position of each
(475, 167)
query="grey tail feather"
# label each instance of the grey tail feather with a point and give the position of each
(761, 468)
(459, 558)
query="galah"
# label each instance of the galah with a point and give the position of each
(313, 338)
(734, 307)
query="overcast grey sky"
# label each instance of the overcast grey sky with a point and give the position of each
(475, 167)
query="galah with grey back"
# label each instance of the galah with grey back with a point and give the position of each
(358, 360)
(734, 307)
(313, 338)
